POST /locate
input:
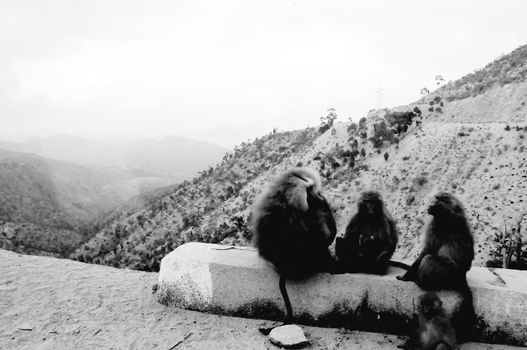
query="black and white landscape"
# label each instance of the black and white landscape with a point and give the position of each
(55, 190)
(131, 128)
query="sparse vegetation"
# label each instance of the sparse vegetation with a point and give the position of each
(194, 210)
(421, 180)
(509, 251)
(327, 122)
(504, 70)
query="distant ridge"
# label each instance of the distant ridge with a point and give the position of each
(51, 204)
(174, 156)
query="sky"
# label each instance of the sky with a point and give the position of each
(229, 71)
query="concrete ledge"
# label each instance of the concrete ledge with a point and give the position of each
(237, 282)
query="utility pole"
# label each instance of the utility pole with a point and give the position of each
(379, 92)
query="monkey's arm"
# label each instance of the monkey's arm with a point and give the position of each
(390, 243)
(394, 235)
(346, 250)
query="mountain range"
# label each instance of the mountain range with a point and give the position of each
(170, 156)
(54, 190)
(468, 138)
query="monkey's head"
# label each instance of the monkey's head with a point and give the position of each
(302, 188)
(370, 204)
(430, 305)
(303, 192)
(445, 204)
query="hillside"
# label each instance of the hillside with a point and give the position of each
(46, 205)
(501, 72)
(206, 208)
(472, 145)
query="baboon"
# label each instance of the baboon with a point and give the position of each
(434, 332)
(446, 257)
(370, 239)
(293, 226)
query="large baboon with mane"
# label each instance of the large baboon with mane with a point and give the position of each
(293, 226)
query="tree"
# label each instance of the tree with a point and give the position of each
(327, 121)
(362, 123)
(363, 152)
(352, 128)
(386, 155)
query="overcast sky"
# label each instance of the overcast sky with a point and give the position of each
(229, 71)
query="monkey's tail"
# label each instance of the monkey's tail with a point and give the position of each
(289, 309)
(399, 264)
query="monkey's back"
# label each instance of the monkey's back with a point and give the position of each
(295, 241)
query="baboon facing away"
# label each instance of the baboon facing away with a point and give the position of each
(293, 226)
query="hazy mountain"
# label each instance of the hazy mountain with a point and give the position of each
(168, 156)
(469, 138)
(46, 205)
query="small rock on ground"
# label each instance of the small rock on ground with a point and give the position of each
(289, 336)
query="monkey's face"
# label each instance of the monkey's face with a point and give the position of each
(370, 207)
(370, 204)
(430, 305)
(444, 203)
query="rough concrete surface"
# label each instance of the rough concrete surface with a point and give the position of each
(48, 303)
(236, 281)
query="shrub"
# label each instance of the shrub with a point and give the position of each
(352, 128)
(362, 123)
(421, 180)
(508, 244)
(327, 122)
